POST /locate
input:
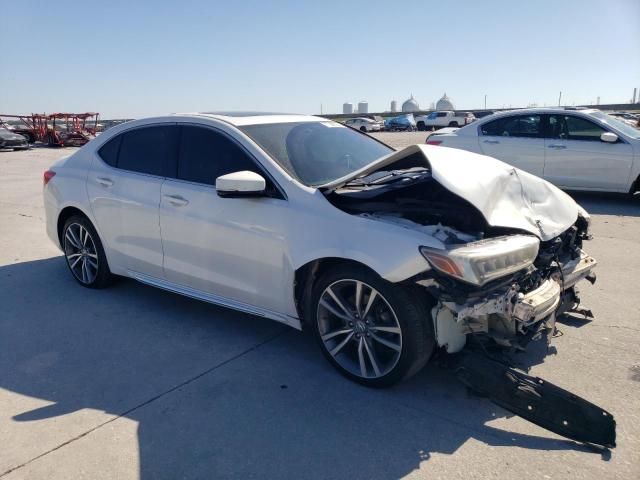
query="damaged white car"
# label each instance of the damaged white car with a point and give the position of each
(385, 255)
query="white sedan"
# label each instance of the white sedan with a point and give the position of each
(364, 124)
(382, 254)
(572, 148)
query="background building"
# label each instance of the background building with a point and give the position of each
(410, 105)
(445, 103)
(394, 106)
(363, 107)
(347, 107)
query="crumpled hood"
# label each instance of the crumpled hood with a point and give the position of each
(506, 196)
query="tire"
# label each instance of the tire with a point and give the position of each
(454, 124)
(83, 249)
(635, 187)
(394, 332)
(421, 126)
(363, 129)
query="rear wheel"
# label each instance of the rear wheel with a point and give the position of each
(84, 253)
(372, 331)
(421, 126)
(363, 129)
(454, 124)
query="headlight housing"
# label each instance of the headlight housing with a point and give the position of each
(485, 260)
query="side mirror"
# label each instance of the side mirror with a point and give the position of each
(240, 184)
(609, 137)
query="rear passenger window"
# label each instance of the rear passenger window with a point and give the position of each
(205, 155)
(492, 129)
(109, 151)
(528, 126)
(148, 149)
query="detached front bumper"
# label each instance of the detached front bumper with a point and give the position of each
(509, 317)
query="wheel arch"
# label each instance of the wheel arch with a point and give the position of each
(65, 214)
(306, 275)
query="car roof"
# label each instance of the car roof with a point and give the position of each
(540, 110)
(256, 118)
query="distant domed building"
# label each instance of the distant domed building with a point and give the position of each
(445, 103)
(410, 105)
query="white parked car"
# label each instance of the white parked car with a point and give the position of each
(574, 149)
(382, 254)
(364, 124)
(444, 118)
(628, 118)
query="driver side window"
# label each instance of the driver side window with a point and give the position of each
(204, 155)
(568, 127)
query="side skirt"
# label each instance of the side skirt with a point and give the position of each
(214, 299)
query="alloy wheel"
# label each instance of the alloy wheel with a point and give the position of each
(359, 329)
(80, 251)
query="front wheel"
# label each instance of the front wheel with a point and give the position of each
(84, 253)
(372, 331)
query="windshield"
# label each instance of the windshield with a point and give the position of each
(316, 153)
(617, 124)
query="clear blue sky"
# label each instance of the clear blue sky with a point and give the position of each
(134, 58)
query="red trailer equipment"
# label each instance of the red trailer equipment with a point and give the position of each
(33, 126)
(72, 129)
(57, 129)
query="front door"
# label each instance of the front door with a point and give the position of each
(577, 158)
(227, 247)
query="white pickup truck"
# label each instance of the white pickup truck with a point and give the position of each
(444, 118)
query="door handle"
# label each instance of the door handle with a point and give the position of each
(176, 200)
(557, 147)
(105, 182)
(492, 142)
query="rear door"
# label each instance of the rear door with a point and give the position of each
(124, 190)
(577, 158)
(227, 247)
(516, 140)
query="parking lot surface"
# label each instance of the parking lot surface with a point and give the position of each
(134, 382)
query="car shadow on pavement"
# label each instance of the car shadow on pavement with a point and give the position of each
(608, 203)
(217, 393)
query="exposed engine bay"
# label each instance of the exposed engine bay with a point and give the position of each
(510, 309)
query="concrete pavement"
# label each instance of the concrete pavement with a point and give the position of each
(133, 382)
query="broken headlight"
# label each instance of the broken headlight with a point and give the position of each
(482, 261)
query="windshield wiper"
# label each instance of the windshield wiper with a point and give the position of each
(386, 177)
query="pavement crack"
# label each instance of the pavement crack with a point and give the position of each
(281, 333)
